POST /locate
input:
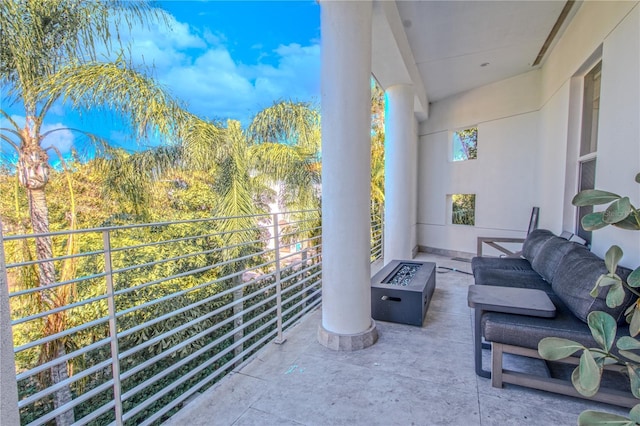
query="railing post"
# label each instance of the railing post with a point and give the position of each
(276, 247)
(238, 307)
(8, 386)
(113, 330)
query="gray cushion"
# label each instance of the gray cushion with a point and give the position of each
(577, 275)
(511, 278)
(500, 263)
(533, 243)
(527, 331)
(550, 255)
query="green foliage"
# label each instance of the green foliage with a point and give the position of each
(586, 377)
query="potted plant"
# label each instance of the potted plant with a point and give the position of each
(586, 377)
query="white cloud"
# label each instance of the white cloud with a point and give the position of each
(200, 70)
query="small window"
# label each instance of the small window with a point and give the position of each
(591, 110)
(463, 209)
(465, 144)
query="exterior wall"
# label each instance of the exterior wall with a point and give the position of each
(527, 131)
(502, 177)
(619, 132)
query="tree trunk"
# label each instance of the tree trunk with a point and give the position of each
(33, 173)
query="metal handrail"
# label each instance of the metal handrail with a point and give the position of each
(145, 323)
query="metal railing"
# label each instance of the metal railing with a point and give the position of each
(141, 318)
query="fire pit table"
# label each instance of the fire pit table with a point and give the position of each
(402, 290)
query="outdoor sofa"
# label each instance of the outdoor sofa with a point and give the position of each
(566, 272)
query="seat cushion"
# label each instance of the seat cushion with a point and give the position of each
(500, 263)
(511, 278)
(576, 277)
(527, 331)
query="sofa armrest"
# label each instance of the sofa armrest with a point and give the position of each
(493, 242)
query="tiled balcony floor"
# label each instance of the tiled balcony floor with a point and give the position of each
(411, 376)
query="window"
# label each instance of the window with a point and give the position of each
(463, 209)
(465, 144)
(588, 141)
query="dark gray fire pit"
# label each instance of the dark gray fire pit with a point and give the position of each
(402, 290)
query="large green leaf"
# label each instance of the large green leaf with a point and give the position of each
(605, 280)
(555, 348)
(634, 278)
(592, 197)
(593, 221)
(632, 356)
(634, 324)
(627, 343)
(629, 223)
(586, 376)
(603, 328)
(634, 379)
(618, 210)
(634, 413)
(616, 295)
(597, 418)
(612, 257)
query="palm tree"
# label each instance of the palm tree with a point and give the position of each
(48, 53)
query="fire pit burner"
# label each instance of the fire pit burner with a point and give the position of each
(403, 275)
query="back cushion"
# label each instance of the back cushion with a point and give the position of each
(533, 243)
(550, 255)
(577, 275)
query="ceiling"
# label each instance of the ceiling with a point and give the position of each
(461, 45)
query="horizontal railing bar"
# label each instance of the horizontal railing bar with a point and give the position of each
(193, 372)
(55, 285)
(184, 256)
(191, 323)
(96, 413)
(185, 361)
(71, 404)
(55, 259)
(68, 381)
(184, 309)
(301, 302)
(302, 312)
(60, 334)
(191, 272)
(66, 357)
(132, 226)
(58, 309)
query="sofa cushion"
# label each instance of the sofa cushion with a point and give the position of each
(575, 278)
(511, 278)
(527, 331)
(550, 255)
(513, 263)
(533, 243)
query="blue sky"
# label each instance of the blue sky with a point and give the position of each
(224, 59)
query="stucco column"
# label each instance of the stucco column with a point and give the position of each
(8, 387)
(400, 162)
(346, 181)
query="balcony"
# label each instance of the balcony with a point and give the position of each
(161, 324)
(412, 375)
(141, 317)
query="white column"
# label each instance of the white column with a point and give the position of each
(346, 180)
(400, 162)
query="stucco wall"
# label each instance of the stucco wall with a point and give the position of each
(525, 125)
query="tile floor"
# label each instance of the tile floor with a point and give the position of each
(411, 376)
